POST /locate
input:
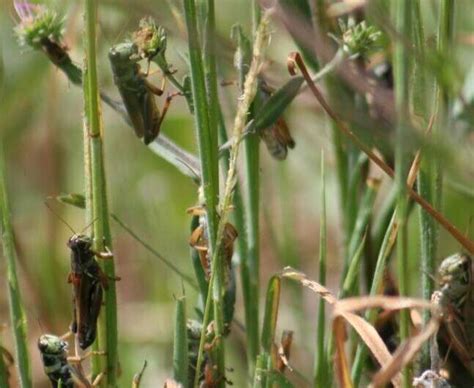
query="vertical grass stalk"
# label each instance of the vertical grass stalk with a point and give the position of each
(17, 314)
(250, 90)
(428, 240)
(251, 262)
(94, 156)
(320, 375)
(402, 79)
(208, 152)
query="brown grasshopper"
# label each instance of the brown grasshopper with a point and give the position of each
(88, 281)
(199, 240)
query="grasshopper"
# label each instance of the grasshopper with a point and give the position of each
(88, 281)
(455, 300)
(137, 92)
(199, 240)
(276, 137)
(57, 364)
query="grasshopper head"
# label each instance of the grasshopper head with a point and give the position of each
(79, 242)
(51, 344)
(455, 275)
(122, 54)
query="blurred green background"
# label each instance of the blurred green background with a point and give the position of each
(41, 122)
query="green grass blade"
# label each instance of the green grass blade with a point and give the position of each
(94, 161)
(249, 266)
(403, 13)
(353, 273)
(363, 217)
(17, 314)
(270, 317)
(273, 108)
(180, 344)
(321, 364)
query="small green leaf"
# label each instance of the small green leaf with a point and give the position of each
(273, 108)
(74, 199)
(180, 344)
(271, 313)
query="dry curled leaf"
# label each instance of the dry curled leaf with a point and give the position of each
(345, 310)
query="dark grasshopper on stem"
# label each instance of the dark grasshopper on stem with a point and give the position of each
(455, 300)
(88, 281)
(136, 91)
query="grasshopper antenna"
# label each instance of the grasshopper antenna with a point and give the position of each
(61, 218)
(88, 225)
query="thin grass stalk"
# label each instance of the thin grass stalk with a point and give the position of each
(3, 366)
(180, 344)
(210, 67)
(403, 14)
(210, 184)
(206, 153)
(245, 101)
(17, 314)
(210, 74)
(251, 261)
(107, 325)
(428, 229)
(361, 222)
(443, 102)
(321, 364)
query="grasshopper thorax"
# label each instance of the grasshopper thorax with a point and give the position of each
(49, 344)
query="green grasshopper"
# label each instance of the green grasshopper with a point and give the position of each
(455, 299)
(137, 92)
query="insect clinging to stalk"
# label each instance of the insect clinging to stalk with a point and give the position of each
(277, 137)
(88, 281)
(136, 91)
(454, 298)
(199, 240)
(54, 356)
(58, 365)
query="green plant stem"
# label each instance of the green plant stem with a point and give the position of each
(250, 90)
(320, 375)
(208, 153)
(251, 262)
(428, 228)
(17, 314)
(402, 80)
(210, 68)
(107, 325)
(210, 73)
